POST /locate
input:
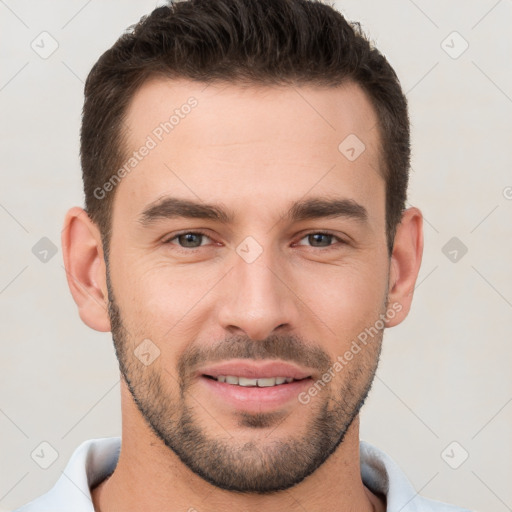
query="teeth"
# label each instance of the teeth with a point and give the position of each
(243, 381)
(268, 382)
(262, 383)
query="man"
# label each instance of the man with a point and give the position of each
(245, 240)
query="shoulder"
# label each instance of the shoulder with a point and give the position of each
(381, 474)
(91, 462)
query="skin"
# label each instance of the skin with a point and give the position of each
(254, 151)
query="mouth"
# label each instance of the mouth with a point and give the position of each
(254, 386)
(265, 382)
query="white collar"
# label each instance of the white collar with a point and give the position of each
(95, 459)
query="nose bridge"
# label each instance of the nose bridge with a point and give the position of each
(258, 300)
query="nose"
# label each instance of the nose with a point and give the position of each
(257, 298)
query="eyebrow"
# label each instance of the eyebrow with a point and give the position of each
(317, 208)
(308, 209)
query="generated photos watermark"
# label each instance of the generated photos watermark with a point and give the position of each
(152, 140)
(363, 338)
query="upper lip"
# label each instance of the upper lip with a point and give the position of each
(253, 370)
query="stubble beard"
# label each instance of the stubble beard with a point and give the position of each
(268, 463)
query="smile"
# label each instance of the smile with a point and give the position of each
(247, 382)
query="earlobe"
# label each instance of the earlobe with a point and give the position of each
(405, 264)
(85, 268)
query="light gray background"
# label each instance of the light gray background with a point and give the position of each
(445, 373)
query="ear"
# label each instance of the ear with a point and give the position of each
(405, 264)
(85, 268)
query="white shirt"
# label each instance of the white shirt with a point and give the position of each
(96, 459)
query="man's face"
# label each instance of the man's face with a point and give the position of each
(275, 286)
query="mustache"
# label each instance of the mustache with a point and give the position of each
(289, 348)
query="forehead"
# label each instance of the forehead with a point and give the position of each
(213, 141)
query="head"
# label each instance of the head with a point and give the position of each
(245, 169)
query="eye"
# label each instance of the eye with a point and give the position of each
(188, 239)
(321, 239)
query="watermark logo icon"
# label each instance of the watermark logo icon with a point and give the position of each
(454, 249)
(45, 45)
(44, 455)
(351, 147)
(454, 45)
(249, 249)
(454, 455)
(146, 352)
(44, 250)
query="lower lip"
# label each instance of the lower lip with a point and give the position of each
(254, 398)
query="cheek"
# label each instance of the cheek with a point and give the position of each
(161, 302)
(347, 300)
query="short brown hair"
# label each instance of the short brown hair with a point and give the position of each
(277, 42)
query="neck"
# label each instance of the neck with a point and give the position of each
(149, 476)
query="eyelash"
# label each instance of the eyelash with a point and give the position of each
(199, 232)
